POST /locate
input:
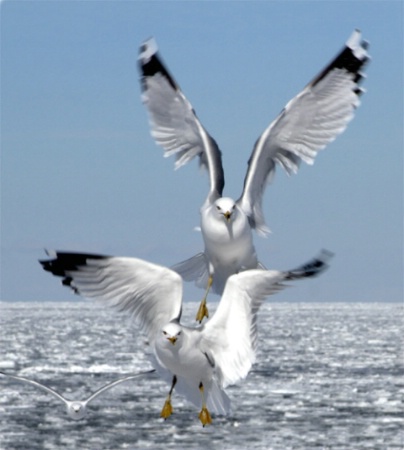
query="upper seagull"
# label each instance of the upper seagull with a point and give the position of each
(306, 125)
(198, 362)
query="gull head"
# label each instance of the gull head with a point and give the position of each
(171, 333)
(76, 410)
(225, 207)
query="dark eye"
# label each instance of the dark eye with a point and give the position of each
(165, 333)
(218, 207)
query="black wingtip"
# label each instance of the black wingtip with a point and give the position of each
(151, 64)
(353, 57)
(313, 268)
(62, 263)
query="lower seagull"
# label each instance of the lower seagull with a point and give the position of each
(76, 409)
(198, 362)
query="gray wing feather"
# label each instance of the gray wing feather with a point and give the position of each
(310, 121)
(173, 122)
(36, 384)
(230, 337)
(150, 293)
(115, 383)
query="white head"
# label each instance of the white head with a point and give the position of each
(225, 207)
(171, 333)
(76, 410)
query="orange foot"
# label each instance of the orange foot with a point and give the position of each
(204, 417)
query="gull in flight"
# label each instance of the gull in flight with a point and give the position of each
(76, 409)
(198, 362)
(309, 122)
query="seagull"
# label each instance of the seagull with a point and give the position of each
(76, 409)
(199, 363)
(309, 122)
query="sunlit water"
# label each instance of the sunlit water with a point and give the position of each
(328, 376)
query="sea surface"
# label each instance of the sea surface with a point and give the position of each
(327, 376)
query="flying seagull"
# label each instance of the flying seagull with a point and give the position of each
(76, 409)
(309, 122)
(198, 362)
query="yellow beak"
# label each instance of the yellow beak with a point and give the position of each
(172, 339)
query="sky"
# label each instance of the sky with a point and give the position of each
(80, 171)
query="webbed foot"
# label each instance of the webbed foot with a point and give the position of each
(167, 409)
(205, 417)
(202, 311)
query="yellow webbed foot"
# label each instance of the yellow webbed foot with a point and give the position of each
(202, 311)
(204, 417)
(167, 410)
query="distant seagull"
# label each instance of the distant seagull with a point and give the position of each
(198, 362)
(306, 125)
(76, 409)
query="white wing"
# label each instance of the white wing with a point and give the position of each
(174, 124)
(306, 125)
(115, 383)
(36, 384)
(151, 294)
(230, 337)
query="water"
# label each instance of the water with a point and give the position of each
(328, 376)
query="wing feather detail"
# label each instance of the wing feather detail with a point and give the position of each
(230, 337)
(149, 293)
(309, 122)
(173, 122)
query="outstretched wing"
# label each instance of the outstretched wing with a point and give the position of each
(151, 294)
(36, 384)
(174, 124)
(230, 337)
(309, 122)
(116, 382)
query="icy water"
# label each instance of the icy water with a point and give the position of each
(328, 376)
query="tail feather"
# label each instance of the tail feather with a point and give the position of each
(194, 269)
(218, 401)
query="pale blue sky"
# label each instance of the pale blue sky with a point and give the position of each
(79, 170)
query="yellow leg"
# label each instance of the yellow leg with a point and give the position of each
(204, 415)
(168, 408)
(203, 309)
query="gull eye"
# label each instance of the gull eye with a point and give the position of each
(218, 208)
(179, 333)
(165, 333)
